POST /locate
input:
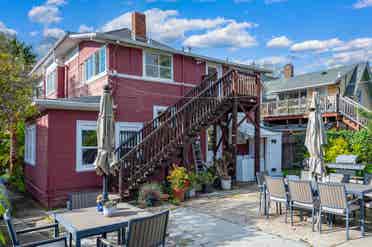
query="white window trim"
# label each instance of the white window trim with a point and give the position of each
(159, 79)
(83, 125)
(126, 126)
(158, 108)
(30, 160)
(99, 75)
(214, 65)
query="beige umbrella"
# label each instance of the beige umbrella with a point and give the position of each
(105, 138)
(315, 138)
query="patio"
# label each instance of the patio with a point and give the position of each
(222, 219)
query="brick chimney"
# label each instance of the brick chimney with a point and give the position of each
(288, 71)
(139, 26)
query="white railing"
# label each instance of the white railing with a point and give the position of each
(352, 110)
(297, 106)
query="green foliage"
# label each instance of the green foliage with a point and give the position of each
(335, 148)
(4, 204)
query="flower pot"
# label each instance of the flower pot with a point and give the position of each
(108, 212)
(226, 184)
(179, 194)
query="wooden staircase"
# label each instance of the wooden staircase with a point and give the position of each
(157, 142)
(350, 111)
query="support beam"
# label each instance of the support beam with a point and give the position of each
(257, 130)
(214, 142)
(234, 133)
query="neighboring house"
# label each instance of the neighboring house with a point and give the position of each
(342, 91)
(146, 77)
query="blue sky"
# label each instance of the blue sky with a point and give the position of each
(312, 34)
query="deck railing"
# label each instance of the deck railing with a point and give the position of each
(297, 106)
(353, 110)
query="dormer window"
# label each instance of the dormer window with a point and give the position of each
(158, 65)
(95, 64)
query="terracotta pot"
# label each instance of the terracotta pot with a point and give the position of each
(179, 194)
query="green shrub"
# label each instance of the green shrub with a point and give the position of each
(335, 148)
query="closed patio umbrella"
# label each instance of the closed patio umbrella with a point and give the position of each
(105, 138)
(315, 138)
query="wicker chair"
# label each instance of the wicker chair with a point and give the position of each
(333, 200)
(143, 232)
(301, 197)
(277, 193)
(261, 187)
(55, 242)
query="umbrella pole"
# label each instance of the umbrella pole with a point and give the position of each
(105, 188)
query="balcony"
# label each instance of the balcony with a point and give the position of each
(297, 106)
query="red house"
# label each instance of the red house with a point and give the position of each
(145, 76)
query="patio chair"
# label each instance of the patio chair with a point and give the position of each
(82, 199)
(143, 232)
(367, 179)
(261, 187)
(13, 234)
(301, 197)
(277, 193)
(333, 201)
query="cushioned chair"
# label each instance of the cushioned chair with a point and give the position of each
(143, 232)
(301, 197)
(277, 193)
(13, 234)
(334, 201)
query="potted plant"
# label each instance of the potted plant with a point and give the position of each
(206, 179)
(222, 168)
(193, 184)
(149, 195)
(179, 180)
(109, 208)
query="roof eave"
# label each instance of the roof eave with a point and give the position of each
(45, 104)
(304, 87)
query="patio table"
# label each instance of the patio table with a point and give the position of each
(87, 222)
(358, 190)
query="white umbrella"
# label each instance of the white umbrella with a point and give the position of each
(105, 138)
(315, 137)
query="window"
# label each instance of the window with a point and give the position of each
(51, 82)
(158, 110)
(95, 64)
(30, 144)
(86, 136)
(214, 68)
(125, 131)
(158, 66)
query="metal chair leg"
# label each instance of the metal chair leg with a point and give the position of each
(347, 225)
(320, 220)
(312, 218)
(291, 212)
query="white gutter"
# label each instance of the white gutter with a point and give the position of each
(55, 104)
(298, 88)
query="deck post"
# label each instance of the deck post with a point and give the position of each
(257, 130)
(234, 133)
(214, 143)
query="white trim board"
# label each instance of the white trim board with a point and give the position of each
(83, 125)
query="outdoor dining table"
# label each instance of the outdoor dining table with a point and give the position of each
(87, 222)
(357, 190)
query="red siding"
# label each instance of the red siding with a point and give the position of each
(60, 82)
(187, 69)
(125, 60)
(36, 176)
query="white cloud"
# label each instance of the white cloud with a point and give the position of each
(45, 14)
(43, 48)
(349, 57)
(7, 31)
(273, 60)
(281, 41)
(165, 25)
(84, 28)
(233, 35)
(360, 4)
(55, 33)
(316, 45)
(34, 33)
(56, 2)
(360, 43)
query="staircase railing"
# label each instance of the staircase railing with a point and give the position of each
(190, 113)
(155, 123)
(352, 110)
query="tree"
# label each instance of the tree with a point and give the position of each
(16, 88)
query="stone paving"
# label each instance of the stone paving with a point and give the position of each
(223, 219)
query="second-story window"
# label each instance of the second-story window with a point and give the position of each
(51, 82)
(95, 64)
(158, 65)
